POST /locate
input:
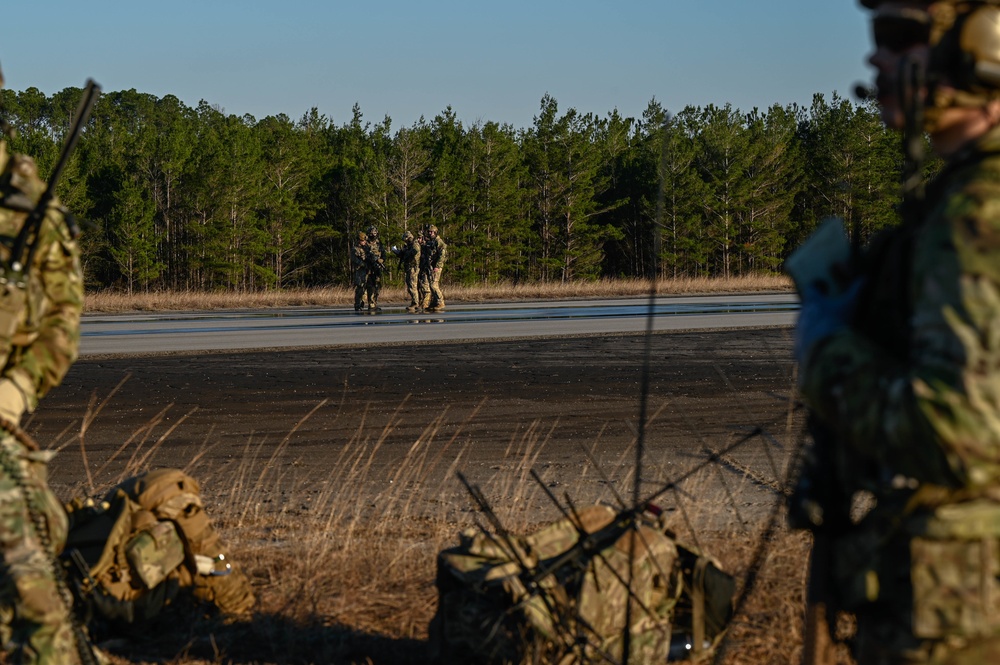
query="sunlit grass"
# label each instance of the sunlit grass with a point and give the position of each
(343, 560)
(153, 301)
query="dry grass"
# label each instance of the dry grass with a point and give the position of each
(113, 301)
(344, 562)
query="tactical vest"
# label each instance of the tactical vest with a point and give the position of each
(554, 598)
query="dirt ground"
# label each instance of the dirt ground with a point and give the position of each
(490, 406)
(479, 398)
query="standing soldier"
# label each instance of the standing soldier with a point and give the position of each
(438, 251)
(39, 340)
(359, 262)
(376, 266)
(424, 271)
(409, 261)
(901, 368)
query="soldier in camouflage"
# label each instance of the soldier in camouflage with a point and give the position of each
(432, 299)
(359, 264)
(36, 624)
(901, 369)
(409, 261)
(376, 266)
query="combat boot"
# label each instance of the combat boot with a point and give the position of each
(412, 308)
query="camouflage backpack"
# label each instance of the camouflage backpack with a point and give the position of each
(561, 596)
(131, 554)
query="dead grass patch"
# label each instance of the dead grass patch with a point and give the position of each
(344, 568)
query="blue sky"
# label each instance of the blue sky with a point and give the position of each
(489, 61)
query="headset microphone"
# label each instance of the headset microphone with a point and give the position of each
(863, 91)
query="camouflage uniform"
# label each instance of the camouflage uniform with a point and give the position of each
(424, 271)
(436, 251)
(908, 393)
(376, 266)
(359, 263)
(409, 261)
(35, 621)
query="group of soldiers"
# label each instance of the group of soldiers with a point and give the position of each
(421, 258)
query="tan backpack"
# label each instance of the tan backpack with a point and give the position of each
(559, 595)
(150, 537)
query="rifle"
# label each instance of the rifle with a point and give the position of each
(832, 519)
(821, 481)
(26, 243)
(14, 270)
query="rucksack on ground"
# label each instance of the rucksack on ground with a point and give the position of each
(555, 596)
(132, 553)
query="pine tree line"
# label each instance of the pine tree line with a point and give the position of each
(193, 198)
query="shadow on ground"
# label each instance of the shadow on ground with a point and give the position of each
(267, 638)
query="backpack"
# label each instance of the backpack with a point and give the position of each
(559, 595)
(131, 554)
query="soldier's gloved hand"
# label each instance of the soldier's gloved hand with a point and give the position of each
(13, 403)
(822, 315)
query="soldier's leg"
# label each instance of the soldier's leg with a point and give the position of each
(424, 290)
(411, 289)
(359, 291)
(376, 291)
(437, 297)
(37, 624)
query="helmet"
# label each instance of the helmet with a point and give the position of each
(963, 36)
(965, 54)
(362, 235)
(407, 236)
(432, 229)
(372, 231)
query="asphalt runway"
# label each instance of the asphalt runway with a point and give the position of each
(310, 327)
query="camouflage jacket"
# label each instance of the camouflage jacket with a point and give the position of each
(47, 335)
(358, 257)
(912, 386)
(409, 256)
(437, 253)
(373, 257)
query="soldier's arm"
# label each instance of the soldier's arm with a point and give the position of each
(933, 416)
(53, 331)
(442, 254)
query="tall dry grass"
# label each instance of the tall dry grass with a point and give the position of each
(343, 559)
(155, 301)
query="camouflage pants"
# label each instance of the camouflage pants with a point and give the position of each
(430, 289)
(423, 289)
(373, 287)
(938, 603)
(360, 283)
(412, 276)
(35, 624)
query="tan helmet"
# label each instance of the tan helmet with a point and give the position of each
(407, 236)
(432, 229)
(963, 36)
(362, 236)
(965, 53)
